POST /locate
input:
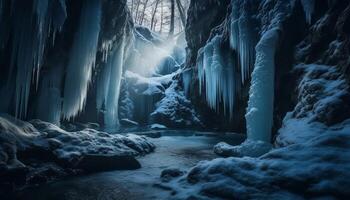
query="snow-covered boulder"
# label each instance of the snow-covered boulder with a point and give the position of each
(38, 151)
(319, 168)
(175, 110)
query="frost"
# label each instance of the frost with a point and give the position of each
(82, 59)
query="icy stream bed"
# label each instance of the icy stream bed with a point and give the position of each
(174, 149)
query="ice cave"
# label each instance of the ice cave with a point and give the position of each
(174, 99)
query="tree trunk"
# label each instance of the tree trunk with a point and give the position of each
(137, 10)
(143, 12)
(172, 18)
(154, 14)
(161, 17)
(182, 12)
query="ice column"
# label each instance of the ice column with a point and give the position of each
(216, 75)
(108, 89)
(259, 114)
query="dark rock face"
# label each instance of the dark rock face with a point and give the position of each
(323, 40)
(203, 16)
(97, 163)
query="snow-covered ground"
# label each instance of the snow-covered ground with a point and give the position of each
(311, 158)
(27, 145)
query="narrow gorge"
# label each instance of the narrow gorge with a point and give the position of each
(165, 99)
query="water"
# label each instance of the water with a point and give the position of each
(175, 149)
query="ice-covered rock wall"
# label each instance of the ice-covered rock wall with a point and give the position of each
(53, 54)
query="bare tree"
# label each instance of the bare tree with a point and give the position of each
(137, 10)
(172, 18)
(143, 12)
(181, 12)
(154, 14)
(161, 17)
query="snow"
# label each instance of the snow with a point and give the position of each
(216, 76)
(82, 59)
(249, 148)
(259, 113)
(157, 126)
(175, 109)
(65, 145)
(318, 167)
(322, 94)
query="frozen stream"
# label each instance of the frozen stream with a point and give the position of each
(175, 149)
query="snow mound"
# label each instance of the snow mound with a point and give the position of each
(18, 136)
(319, 168)
(175, 109)
(249, 148)
(158, 126)
(323, 101)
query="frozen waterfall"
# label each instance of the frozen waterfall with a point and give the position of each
(259, 114)
(108, 88)
(82, 59)
(216, 75)
(31, 28)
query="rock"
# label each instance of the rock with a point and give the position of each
(96, 163)
(171, 173)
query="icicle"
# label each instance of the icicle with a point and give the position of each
(186, 80)
(309, 7)
(82, 59)
(259, 114)
(216, 72)
(108, 89)
(49, 102)
(31, 30)
(243, 37)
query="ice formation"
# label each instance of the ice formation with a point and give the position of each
(309, 7)
(186, 80)
(259, 114)
(108, 89)
(243, 37)
(49, 102)
(82, 59)
(32, 27)
(216, 75)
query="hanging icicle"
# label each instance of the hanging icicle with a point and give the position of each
(82, 59)
(108, 88)
(216, 76)
(243, 37)
(31, 27)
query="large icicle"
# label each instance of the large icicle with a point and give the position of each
(82, 59)
(31, 27)
(243, 36)
(108, 89)
(216, 72)
(259, 114)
